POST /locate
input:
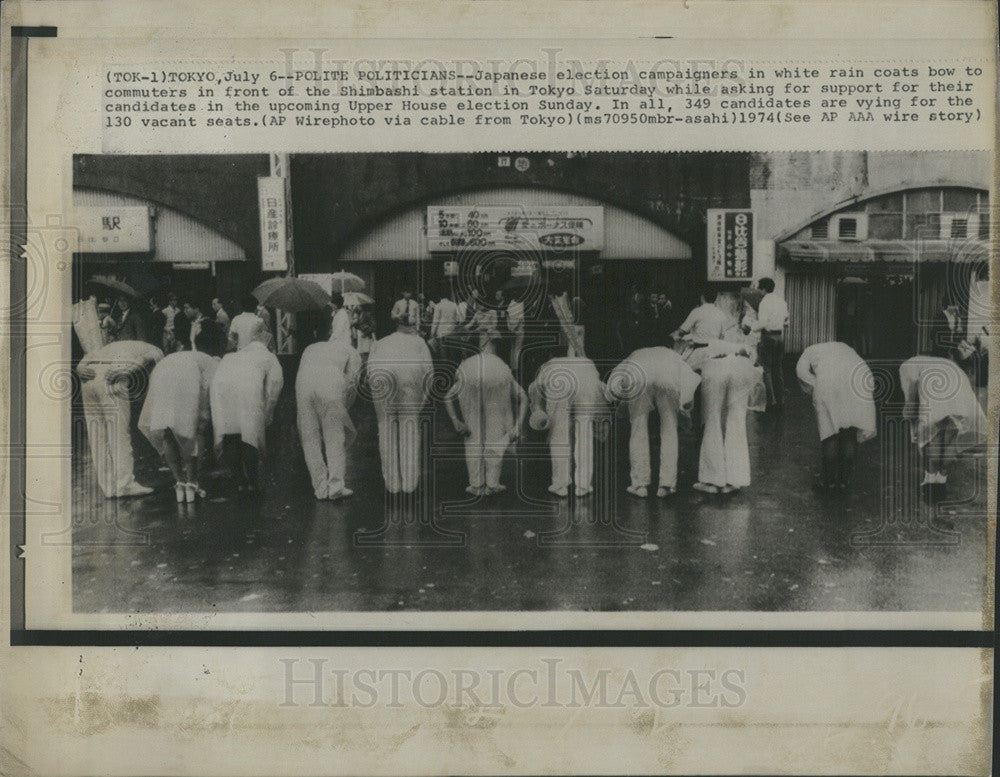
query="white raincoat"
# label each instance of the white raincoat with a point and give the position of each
(937, 390)
(841, 385)
(244, 393)
(325, 388)
(487, 394)
(107, 410)
(399, 373)
(566, 397)
(653, 379)
(177, 399)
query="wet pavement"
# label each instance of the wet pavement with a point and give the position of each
(775, 546)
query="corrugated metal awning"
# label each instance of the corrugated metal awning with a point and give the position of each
(883, 251)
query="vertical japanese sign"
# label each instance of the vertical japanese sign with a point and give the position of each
(271, 203)
(730, 245)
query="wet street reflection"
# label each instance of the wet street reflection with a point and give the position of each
(776, 545)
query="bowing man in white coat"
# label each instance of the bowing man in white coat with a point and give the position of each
(731, 384)
(493, 406)
(243, 396)
(108, 376)
(945, 415)
(176, 415)
(567, 397)
(841, 384)
(325, 388)
(399, 374)
(653, 379)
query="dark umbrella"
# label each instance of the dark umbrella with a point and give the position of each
(293, 295)
(114, 285)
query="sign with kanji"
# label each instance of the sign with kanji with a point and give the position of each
(113, 229)
(730, 244)
(271, 202)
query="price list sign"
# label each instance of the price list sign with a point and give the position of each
(514, 227)
(730, 245)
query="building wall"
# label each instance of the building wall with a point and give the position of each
(217, 190)
(339, 198)
(789, 188)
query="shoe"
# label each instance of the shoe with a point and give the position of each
(705, 488)
(640, 491)
(179, 492)
(134, 489)
(497, 489)
(728, 489)
(664, 491)
(336, 496)
(475, 490)
(192, 491)
(321, 495)
(559, 491)
(582, 491)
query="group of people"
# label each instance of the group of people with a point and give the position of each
(721, 362)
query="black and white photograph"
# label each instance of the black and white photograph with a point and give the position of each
(592, 382)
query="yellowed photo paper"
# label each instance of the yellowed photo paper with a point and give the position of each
(486, 387)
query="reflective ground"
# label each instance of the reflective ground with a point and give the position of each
(776, 545)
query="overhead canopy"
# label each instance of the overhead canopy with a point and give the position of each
(626, 235)
(900, 252)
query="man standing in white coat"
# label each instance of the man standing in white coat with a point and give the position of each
(653, 379)
(243, 396)
(493, 406)
(567, 397)
(325, 388)
(107, 374)
(340, 320)
(730, 386)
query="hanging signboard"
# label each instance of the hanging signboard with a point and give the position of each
(730, 245)
(111, 229)
(514, 227)
(271, 205)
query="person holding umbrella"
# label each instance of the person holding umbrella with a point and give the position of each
(340, 320)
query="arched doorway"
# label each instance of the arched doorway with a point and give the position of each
(599, 270)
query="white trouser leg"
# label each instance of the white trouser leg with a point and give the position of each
(333, 441)
(638, 447)
(409, 450)
(559, 450)
(388, 446)
(737, 449)
(495, 445)
(583, 451)
(309, 436)
(712, 458)
(666, 408)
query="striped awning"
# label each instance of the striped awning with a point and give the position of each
(883, 251)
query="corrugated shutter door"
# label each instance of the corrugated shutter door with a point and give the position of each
(812, 306)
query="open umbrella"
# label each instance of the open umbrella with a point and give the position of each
(114, 285)
(344, 281)
(292, 295)
(355, 299)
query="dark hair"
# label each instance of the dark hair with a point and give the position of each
(709, 294)
(249, 303)
(210, 338)
(767, 284)
(337, 298)
(182, 330)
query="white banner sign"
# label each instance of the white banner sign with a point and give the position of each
(271, 203)
(730, 245)
(514, 227)
(114, 229)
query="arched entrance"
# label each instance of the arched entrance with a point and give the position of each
(536, 241)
